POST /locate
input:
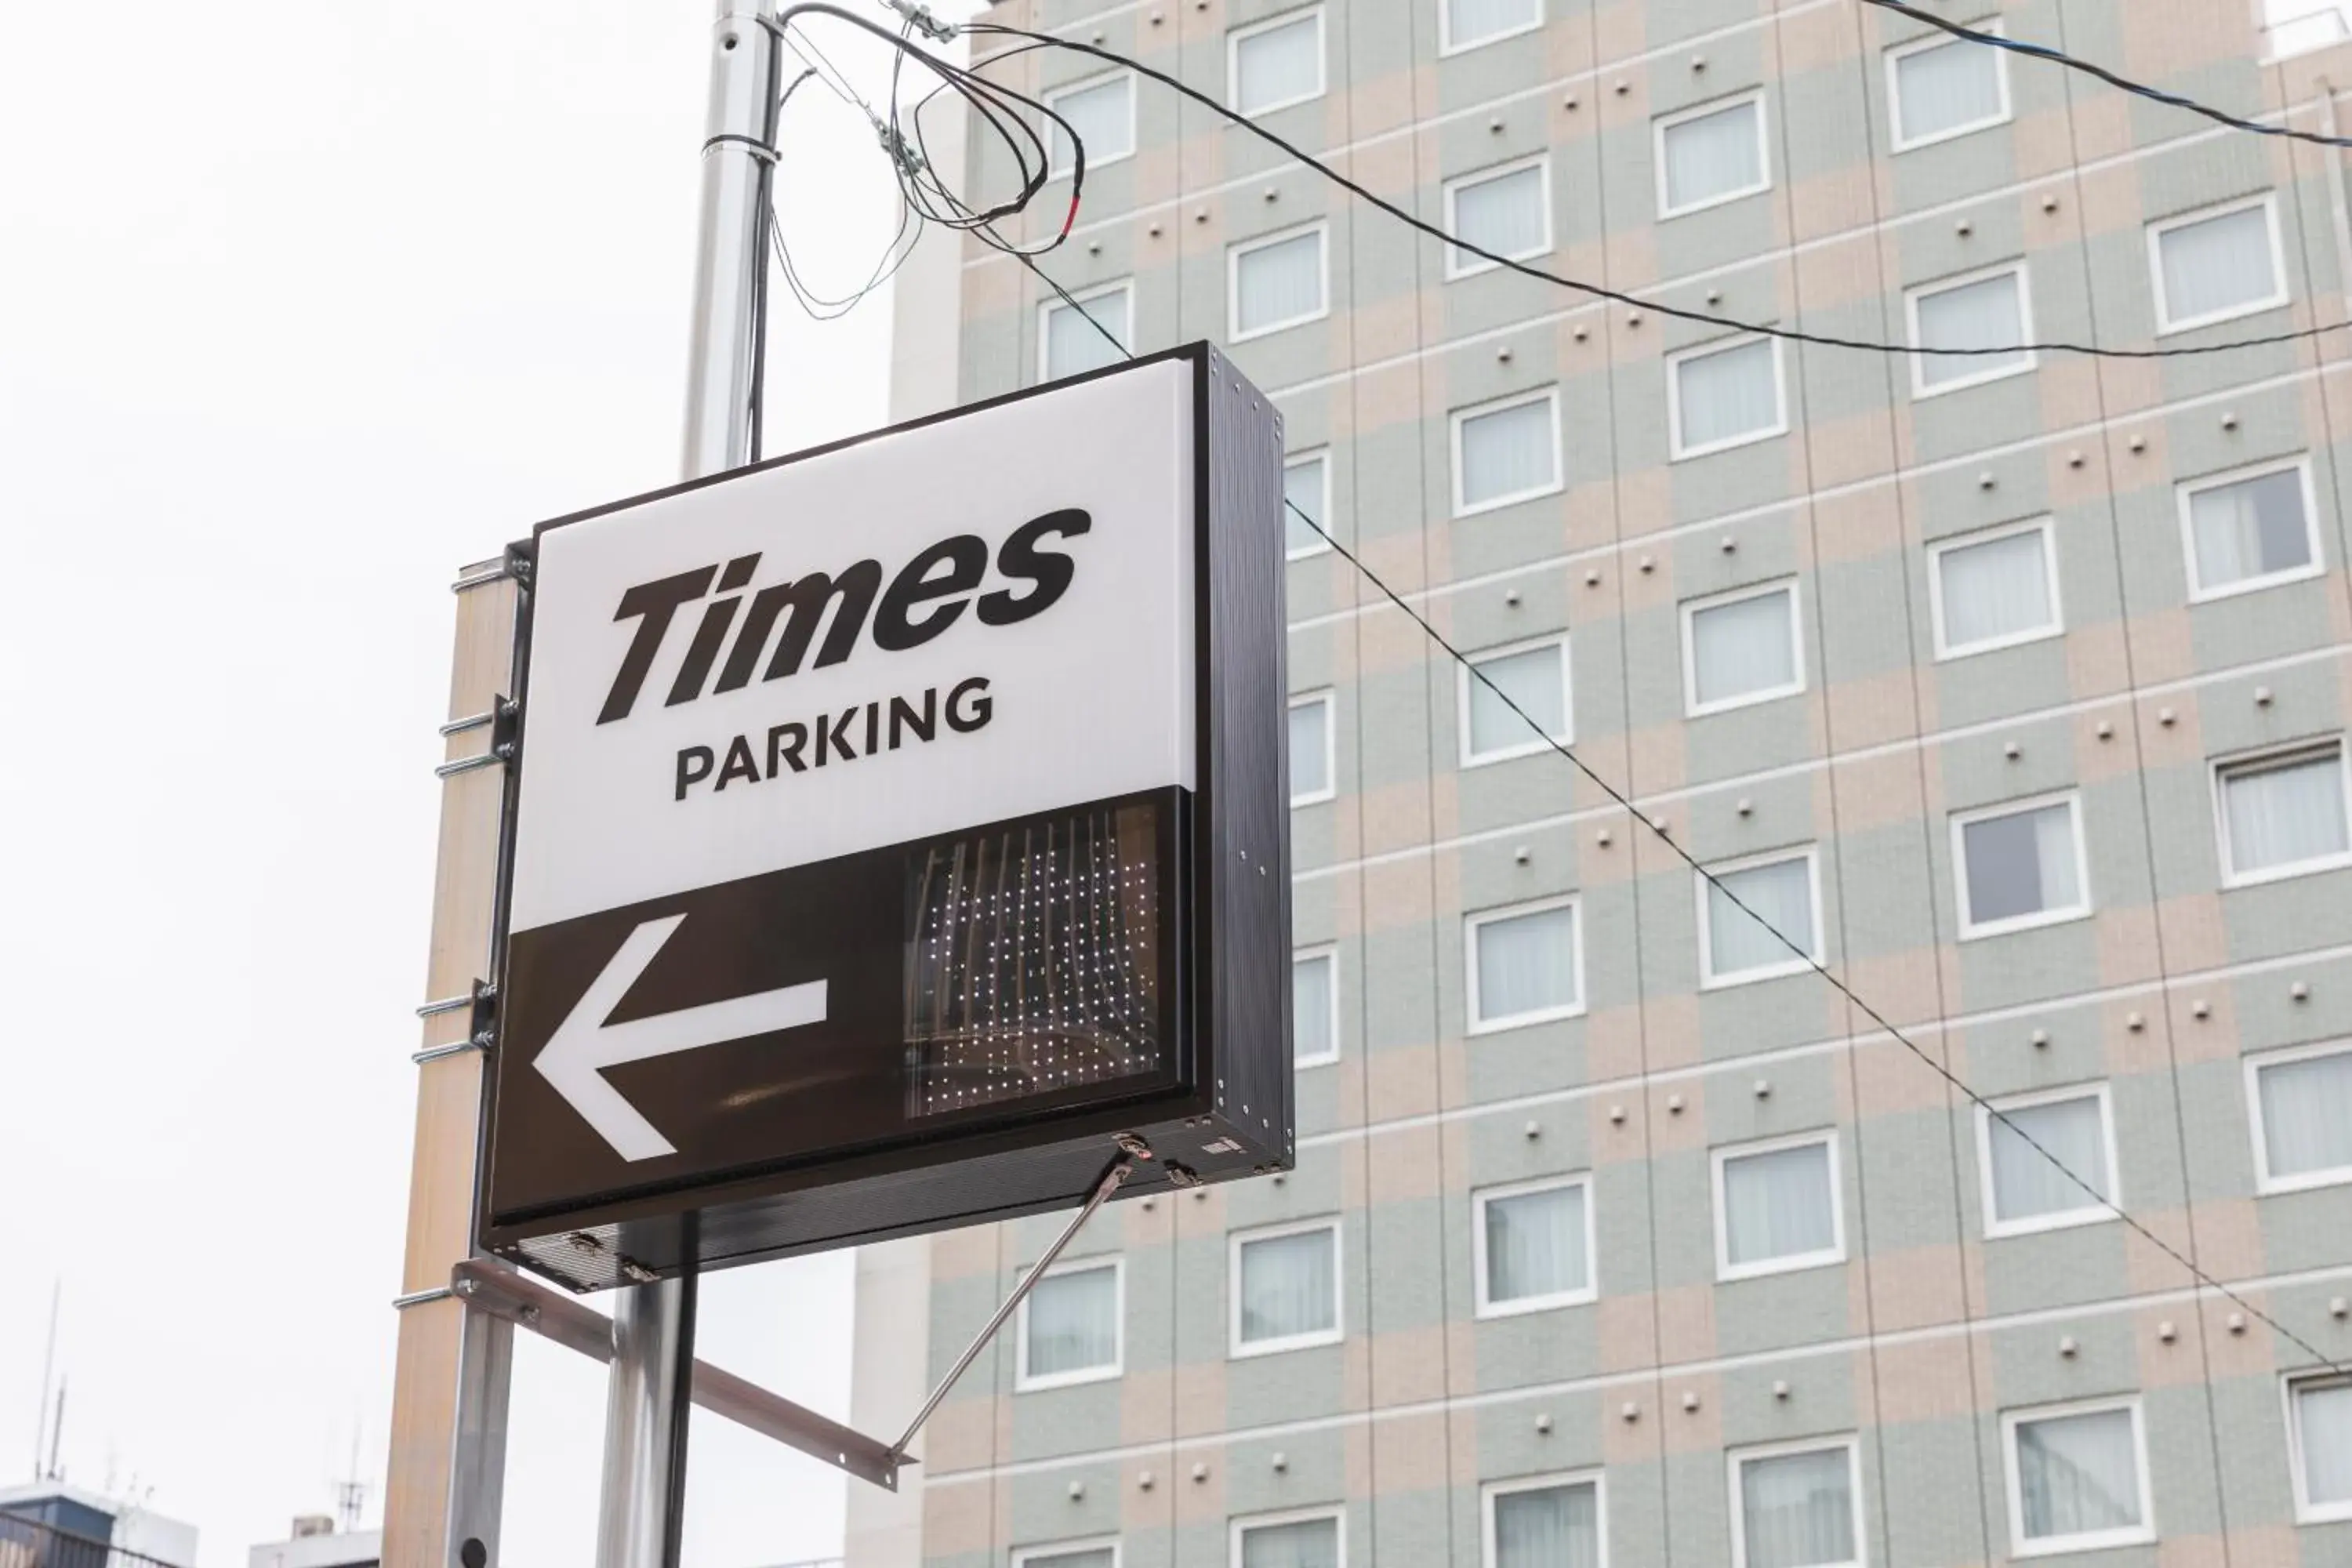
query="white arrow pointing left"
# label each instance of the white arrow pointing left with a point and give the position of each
(576, 1054)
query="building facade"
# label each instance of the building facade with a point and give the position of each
(2011, 689)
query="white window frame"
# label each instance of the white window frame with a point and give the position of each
(1447, 47)
(1944, 648)
(2089, 1539)
(1464, 681)
(1595, 1477)
(1520, 1306)
(1725, 1269)
(1322, 59)
(2278, 296)
(1665, 122)
(1456, 264)
(1045, 309)
(2187, 490)
(2311, 747)
(1330, 700)
(1734, 1458)
(1692, 707)
(1291, 1516)
(1302, 954)
(2306, 1511)
(1454, 421)
(1707, 978)
(1051, 97)
(2265, 1182)
(1921, 46)
(2025, 365)
(1297, 460)
(1676, 450)
(1474, 922)
(1971, 928)
(1027, 1382)
(2094, 1212)
(1045, 1551)
(1234, 1349)
(1321, 228)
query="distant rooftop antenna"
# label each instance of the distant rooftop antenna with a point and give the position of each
(351, 1494)
(56, 1471)
(49, 1368)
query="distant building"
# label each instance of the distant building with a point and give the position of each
(316, 1543)
(76, 1511)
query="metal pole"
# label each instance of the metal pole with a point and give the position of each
(647, 1403)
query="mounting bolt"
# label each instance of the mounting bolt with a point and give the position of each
(1153, 230)
(1580, 332)
(1699, 62)
(1763, 1088)
(1620, 87)
(2050, 204)
(2337, 1307)
(1690, 1399)
(1715, 296)
(1199, 1471)
(1601, 838)
(1591, 578)
(1673, 1105)
(1511, 597)
(1629, 1411)
(1617, 1115)
(1200, 215)
(1270, 194)
(1094, 247)
(1281, 1461)
(1727, 544)
(2200, 1008)
(1568, 102)
(2039, 1037)
(2237, 1322)
(2135, 1022)
(2074, 459)
(1779, 1388)
(1143, 1482)
(1543, 1422)
(2138, 443)
(1746, 807)
(2106, 730)
(1964, 228)
(2300, 991)
(1495, 126)
(2012, 749)
(1633, 318)
(1984, 480)
(1521, 855)
(2067, 1346)
(1647, 564)
(2229, 420)
(2167, 717)
(2262, 697)
(1077, 1490)
(2166, 1332)
(1503, 354)
(1535, 1129)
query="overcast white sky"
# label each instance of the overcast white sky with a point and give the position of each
(302, 306)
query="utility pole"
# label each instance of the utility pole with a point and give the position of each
(647, 1398)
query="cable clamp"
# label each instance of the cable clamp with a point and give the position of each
(894, 142)
(752, 145)
(918, 17)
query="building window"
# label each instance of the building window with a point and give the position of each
(2077, 1478)
(2048, 1160)
(1524, 965)
(1943, 86)
(1275, 63)
(1070, 1326)
(1741, 648)
(1311, 764)
(2249, 530)
(1314, 1539)
(1986, 310)
(1306, 488)
(1278, 282)
(1102, 112)
(1721, 396)
(2319, 1426)
(2302, 1105)
(1776, 1206)
(1503, 211)
(2020, 865)
(1534, 679)
(1285, 1289)
(1758, 918)
(1994, 589)
(1469, 22)
(1506, 452)
(1315, 1007)
(2283, 814)
(1548, 1522)
(1793, 1506)
(1068, 1555)
(2214, 264)
(1534, 1246)
(1070, 337)
(1710, 154)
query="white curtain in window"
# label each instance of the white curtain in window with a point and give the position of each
(1507, 452)
(1797, 1510)
(1527, 963)
(1778, 898)
(2021, 864)
(1502, 215)
(1278, 282)
(2076, 1474)
(2324, 1424)
(1072, 346)
(2307, 1114)
(1989, 313)
(1093, 1557)
(1311, 1022)
(1549, 1527)
(2026, 1184)
(1777, 1204)
(1103, 117)
(1310, 749)
(2285, 812)
(1468, 21)
(2217, 263)
(1995, 590)
(1714, 155)
(1308, 1543)
(1727, 395)
(1303, 485)
(2249, 528)
(1535, 1244)
(1074, 1321)
(1746, 646)
(1536, 679)
(1278, 65)
(1288, 1287)
(1944, 88)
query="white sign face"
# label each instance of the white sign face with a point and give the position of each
(977, 619)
